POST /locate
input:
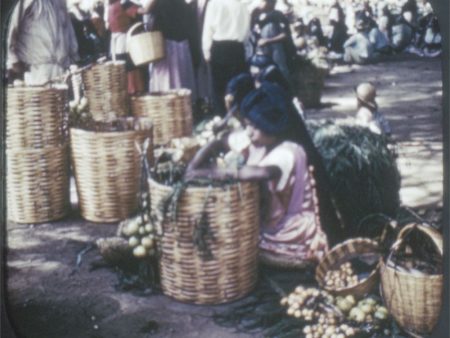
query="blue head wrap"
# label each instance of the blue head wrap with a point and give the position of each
(268, 109)
(261, 61)
(239, 86)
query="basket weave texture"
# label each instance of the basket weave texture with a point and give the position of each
(170, 111)
(37, 184)
(37, 163)
(413, 300)
(231, 273)
(37, 117)
(342, 253)
(105, 86)
(107, 170)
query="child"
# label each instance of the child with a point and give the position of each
(368, 114)
(280, 154)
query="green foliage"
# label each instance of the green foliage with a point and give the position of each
(362, 170)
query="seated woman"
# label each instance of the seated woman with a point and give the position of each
(280, 153)
(358, 48)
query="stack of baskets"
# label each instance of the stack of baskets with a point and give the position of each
(106, 163)
(170, 111)
(414, 300)
(37, 162)
(231, 270)
(105, 86)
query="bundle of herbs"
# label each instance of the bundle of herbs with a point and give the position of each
(362, 170)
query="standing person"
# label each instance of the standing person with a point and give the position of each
(88, 41)
(202, 71)
(338, 33)
(226, 28)
(41, 41)
(274, 37)
(121, 15)
(279, 155)
(175, 19)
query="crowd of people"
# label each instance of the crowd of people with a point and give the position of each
(243, 58)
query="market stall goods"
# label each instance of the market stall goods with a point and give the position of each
(171, 113)
(37, 163)
(106, 167)
(411, 287)
(105, 87)
(350, 268)
(209, 246)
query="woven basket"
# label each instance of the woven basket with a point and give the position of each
(342, 253)
(144, 47)
(107, 170)
(414, 301)
(37, 183)
(231, 273)
(310, 84)
(170, 111)
(105, 86)
(36, 117)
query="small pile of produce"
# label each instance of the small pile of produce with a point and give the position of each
(140, 234)
(341, 278)
(330, 317)
(362, 170)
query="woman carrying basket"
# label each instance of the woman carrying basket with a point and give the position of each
(294, 223)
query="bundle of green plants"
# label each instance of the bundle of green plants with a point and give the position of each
(362, 170)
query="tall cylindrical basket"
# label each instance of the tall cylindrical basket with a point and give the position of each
(37, 166)
(232, 214)
(105, 86)
(107, 169)
(171, 113)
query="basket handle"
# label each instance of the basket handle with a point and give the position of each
(435, 236)
(133, 28)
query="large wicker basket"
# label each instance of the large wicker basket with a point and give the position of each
(310, 84)
(107, 170)
(231, 271)
(37, 184)
(105, 86)
(36, 117)
(342, 253)
(413, 300)
(171, 113)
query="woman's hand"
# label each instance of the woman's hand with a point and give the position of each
(262, 42)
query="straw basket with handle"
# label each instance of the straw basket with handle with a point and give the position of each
(342, 253)
(144, 47)
(37, 150)
(413, 300)
(171, 113)
(107, 169)
(230, 272)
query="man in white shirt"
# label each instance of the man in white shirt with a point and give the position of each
(226, 27)
(41, 41)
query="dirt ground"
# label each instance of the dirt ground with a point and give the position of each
(48, 295)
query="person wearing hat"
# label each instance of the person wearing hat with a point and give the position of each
(258, 62)
(367, 114)
(298, 219)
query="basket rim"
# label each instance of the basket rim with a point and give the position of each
(191, 188)
(384, 266)
(338, 247)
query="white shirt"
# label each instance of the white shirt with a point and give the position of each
(225, 20)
